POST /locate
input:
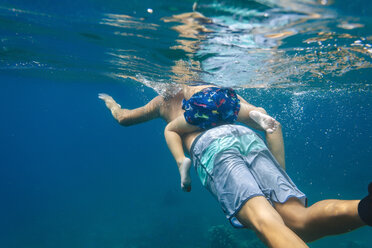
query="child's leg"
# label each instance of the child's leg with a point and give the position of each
(172, 133)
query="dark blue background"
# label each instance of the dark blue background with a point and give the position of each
(71, 176)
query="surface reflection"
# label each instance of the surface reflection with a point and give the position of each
(191, 28)
(281, 44)
(262, 43)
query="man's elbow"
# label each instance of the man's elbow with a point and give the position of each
(124, 121)
(122, 117)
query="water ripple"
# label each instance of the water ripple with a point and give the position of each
(286, 44)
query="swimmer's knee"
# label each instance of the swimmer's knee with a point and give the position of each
(337, 208)
(293, 213)
(297, 222)
(167, 129)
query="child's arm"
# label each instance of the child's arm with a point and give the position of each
(128, 117)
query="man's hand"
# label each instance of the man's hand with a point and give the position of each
(110, 104)
(128, 117)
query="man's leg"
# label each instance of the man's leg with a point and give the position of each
(328, 217)
(267, 223)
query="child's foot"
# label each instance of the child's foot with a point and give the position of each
(365, 207)
(267, 123)
(185, 175)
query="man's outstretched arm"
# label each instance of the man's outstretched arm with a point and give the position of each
(128, 117)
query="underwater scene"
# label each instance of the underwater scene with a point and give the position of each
(71, 176)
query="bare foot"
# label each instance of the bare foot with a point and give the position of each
(185, 175)
(267, 123)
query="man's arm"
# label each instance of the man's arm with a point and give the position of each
(128, 117)
(275, 144)
(274, 140)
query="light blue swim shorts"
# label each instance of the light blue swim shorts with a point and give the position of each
(234, 164)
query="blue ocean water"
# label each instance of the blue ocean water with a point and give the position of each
(70, 176)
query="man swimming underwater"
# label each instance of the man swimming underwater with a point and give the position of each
(249, 181)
